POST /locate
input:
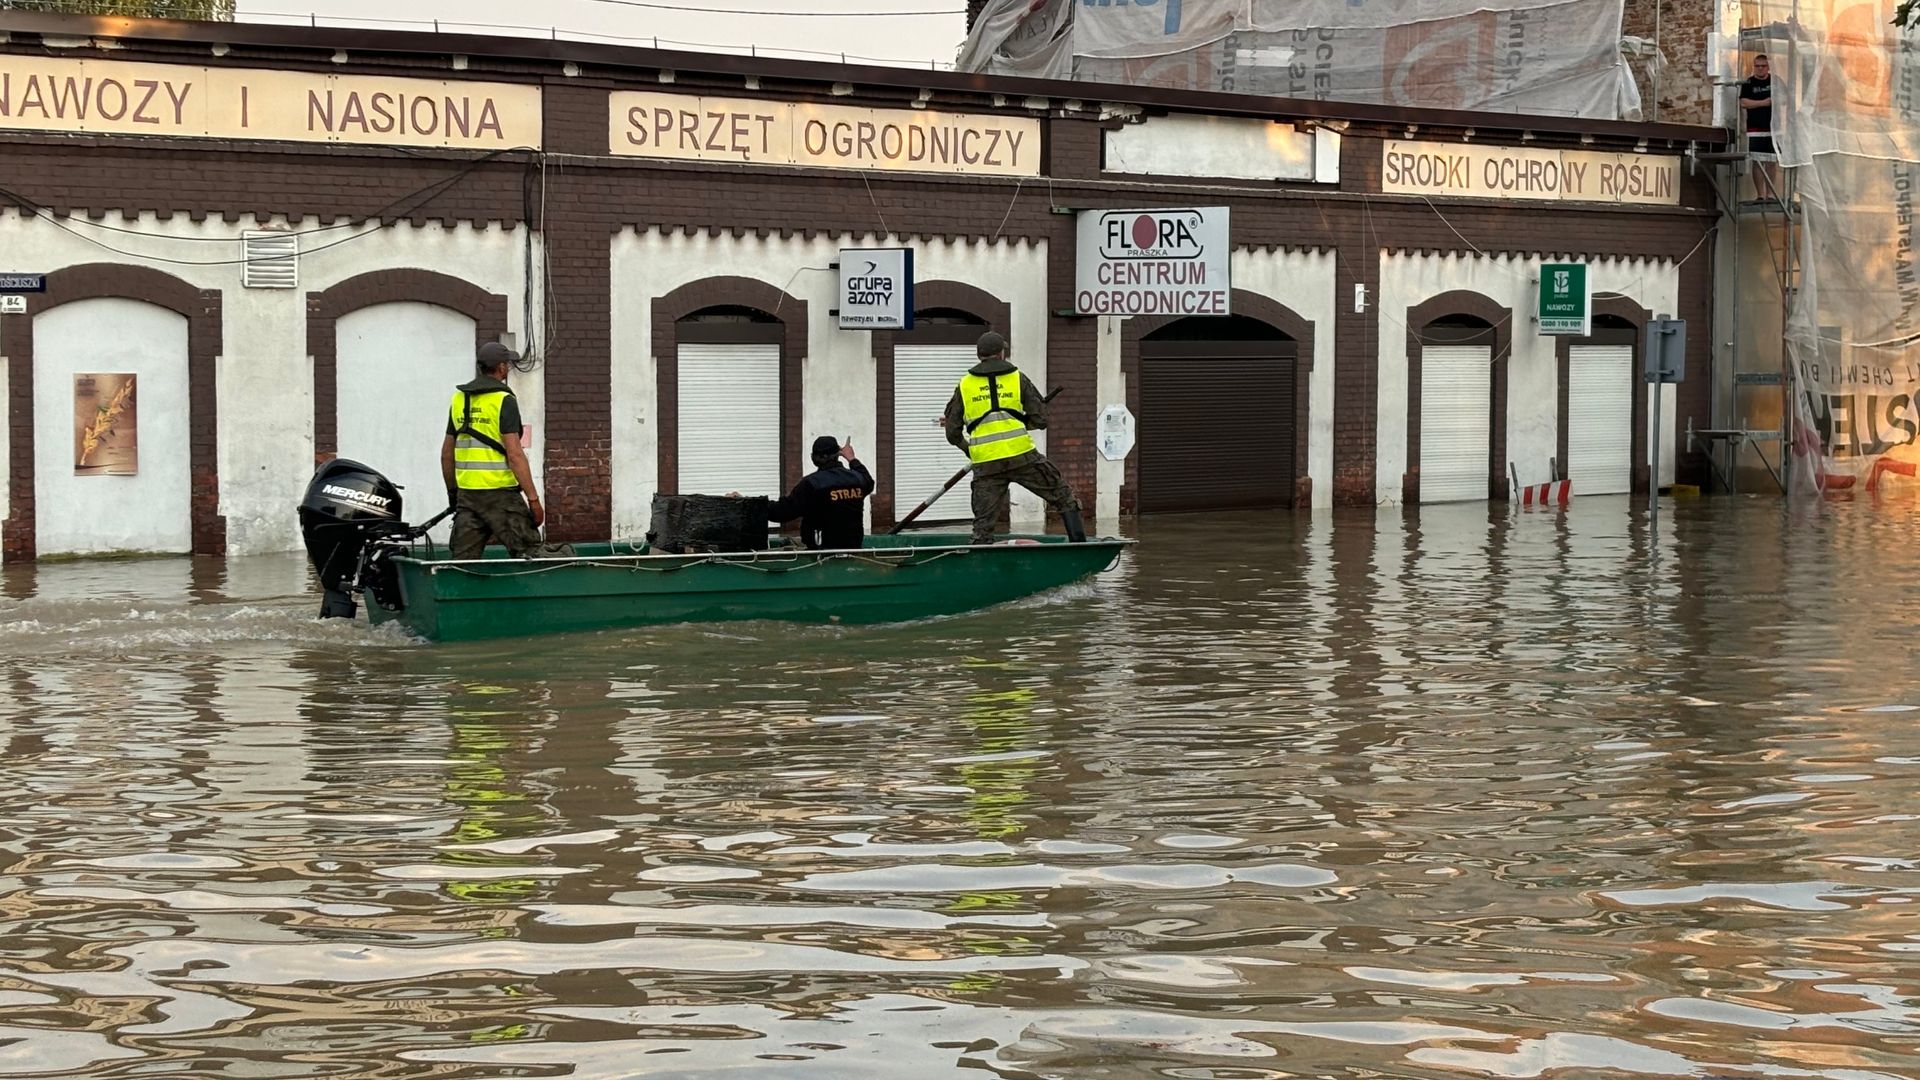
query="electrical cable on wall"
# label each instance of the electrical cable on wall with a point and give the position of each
(403, 206)
(657, 5)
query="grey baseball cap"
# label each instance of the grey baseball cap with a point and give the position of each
(493, 354)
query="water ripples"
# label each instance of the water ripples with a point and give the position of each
(1455, 794)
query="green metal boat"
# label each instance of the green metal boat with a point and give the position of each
(601, 586)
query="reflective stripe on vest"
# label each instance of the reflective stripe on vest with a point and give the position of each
(995, 430)
(478, 465)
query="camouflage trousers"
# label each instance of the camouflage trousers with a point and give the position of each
(990, 494)
(498, 516)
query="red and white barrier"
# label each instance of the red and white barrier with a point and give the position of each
(1887, 465)
(1552, 493)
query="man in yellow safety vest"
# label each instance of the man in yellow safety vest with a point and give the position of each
(992, 416)
(489, 482)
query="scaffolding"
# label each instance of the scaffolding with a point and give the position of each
(1834, 222)
(1759, 259)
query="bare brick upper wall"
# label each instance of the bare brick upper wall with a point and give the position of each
(1685, 94)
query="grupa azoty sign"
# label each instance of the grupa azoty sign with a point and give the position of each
(876, 289)
(1153, 262)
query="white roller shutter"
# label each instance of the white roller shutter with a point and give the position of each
(1456, 426)
(729, 419)
(924, 377)
(1600, 419)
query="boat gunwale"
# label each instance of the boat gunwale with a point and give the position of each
(748, 557)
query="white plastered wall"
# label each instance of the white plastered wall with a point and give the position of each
(1533, 375)
(264, 374)
(1303, 282)
(838, 392)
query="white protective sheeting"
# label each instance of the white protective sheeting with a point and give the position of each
(923, 379)
(1600, 389)
(1847, 117)
(1456, 422)
(729, 419)
(1552, 57)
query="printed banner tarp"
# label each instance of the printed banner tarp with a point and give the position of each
(1846, 118)
(1559, 58)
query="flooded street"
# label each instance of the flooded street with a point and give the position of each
(1457, 794)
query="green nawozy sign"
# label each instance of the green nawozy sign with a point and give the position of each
(1566, 299)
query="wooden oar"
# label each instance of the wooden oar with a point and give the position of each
(948, 486)
(930, 500)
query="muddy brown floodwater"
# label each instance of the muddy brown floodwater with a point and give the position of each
(1461, 794)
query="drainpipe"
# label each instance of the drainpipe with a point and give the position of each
(1657, 5)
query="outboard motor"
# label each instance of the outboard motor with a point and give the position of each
(348, 507)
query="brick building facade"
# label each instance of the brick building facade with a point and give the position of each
(647, 281)
(1681, 27)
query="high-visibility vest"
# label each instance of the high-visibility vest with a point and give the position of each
(996, 426)
(479, 457)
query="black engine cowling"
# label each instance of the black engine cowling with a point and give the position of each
(347, 506)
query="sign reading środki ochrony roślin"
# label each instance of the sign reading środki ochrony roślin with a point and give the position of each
(1153, 262)
(752, 132)
(1528, 172)
(1566, 299)
(180, 101)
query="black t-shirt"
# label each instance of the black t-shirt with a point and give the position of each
(828, 504)
(509, 409)
(1758, 89)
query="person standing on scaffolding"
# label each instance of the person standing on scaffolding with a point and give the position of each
(1756, 100)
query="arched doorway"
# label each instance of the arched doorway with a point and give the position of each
(728, 401)
(1216, 416)
(388, 348)
(399, 363)
(928, 362)
(1455, 400)
(82, 510)
(1601, 382)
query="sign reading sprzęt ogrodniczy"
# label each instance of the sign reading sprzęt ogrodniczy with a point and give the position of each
(1153, 262)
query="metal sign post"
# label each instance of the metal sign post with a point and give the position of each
(1664, 360)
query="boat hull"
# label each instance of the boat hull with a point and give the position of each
(604, 586)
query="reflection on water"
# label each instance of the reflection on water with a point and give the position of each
(1454, 794)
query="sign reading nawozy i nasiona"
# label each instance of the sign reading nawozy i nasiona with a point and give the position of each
(1566, 299)
(751, 132)
(114, 97)
(1457, 170)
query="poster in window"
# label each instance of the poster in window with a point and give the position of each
(106, 428)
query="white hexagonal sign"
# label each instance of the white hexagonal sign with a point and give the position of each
(1116, 433)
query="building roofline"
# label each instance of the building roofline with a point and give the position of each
(562, 50)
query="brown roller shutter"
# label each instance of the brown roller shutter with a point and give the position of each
(1216, 432)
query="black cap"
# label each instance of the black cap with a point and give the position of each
(991, 344)
(825, 448)
(493, 354)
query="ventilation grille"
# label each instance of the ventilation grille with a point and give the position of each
(272, 260)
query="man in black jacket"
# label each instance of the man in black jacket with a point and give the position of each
(830, 502)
